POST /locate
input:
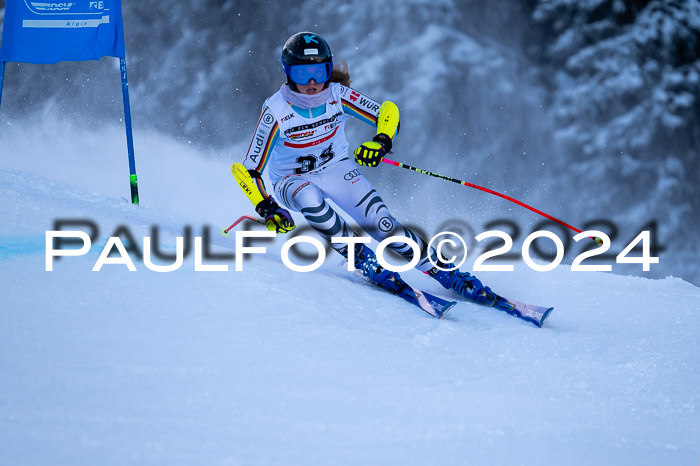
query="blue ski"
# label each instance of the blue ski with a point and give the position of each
(529, 312)
(433, 305)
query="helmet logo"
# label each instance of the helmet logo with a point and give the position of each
(309, 39)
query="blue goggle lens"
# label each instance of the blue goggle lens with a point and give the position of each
(302, 74)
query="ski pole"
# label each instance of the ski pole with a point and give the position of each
(226, 231)
(490, 191)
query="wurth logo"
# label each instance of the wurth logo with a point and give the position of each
(354, 96)
(369, 105)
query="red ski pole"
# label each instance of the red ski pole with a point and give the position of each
(225, 231)
(481, 188)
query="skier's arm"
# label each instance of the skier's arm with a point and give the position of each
(260, 148)
(249, 174)
(384, 117)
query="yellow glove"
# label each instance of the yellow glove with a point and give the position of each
(372, 152)
(276, 218)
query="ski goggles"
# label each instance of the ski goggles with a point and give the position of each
(302, 74)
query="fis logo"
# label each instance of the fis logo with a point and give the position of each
(41, 6)
(97, 6)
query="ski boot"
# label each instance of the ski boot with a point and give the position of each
(465, 284)
(366, 261)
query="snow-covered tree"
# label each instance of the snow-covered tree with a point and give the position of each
(628, 72)
(625, 82)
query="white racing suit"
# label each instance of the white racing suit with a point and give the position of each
(306, 154)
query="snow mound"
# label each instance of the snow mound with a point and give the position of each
(270, 366)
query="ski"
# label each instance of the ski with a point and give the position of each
(433, 305)
(438, 307)
(529, 312)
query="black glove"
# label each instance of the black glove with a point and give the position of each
(371, 153)
(276, 218)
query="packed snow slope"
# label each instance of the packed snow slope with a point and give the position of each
(270, 366)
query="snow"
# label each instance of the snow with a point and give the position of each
(270, 366)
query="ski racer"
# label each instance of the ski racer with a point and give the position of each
(300, 141)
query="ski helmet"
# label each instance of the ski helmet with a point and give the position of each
(307, 56)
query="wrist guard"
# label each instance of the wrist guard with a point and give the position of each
(266, 207)
(384, 140)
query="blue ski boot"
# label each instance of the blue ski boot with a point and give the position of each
(465, 284)
(366, 261)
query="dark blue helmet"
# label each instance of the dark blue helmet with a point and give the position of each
(307, 48)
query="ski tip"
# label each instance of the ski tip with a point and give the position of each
(545, 315)
(449, 305)
(434, 305)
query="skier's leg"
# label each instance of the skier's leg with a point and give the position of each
(303, 195)
(463, 283)
(355, 194)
